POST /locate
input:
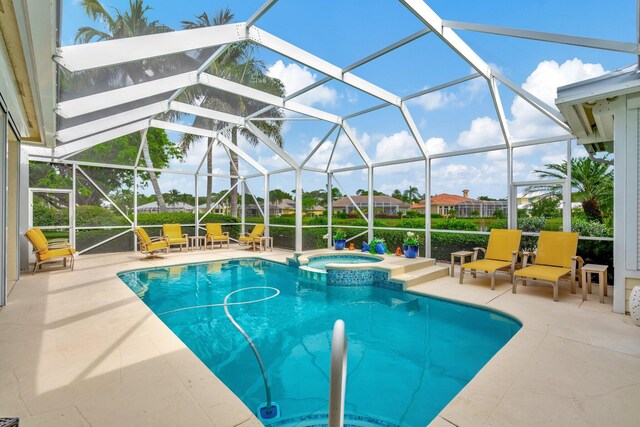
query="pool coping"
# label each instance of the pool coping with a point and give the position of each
(89, 309)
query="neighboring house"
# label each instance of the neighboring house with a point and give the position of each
(384, 204)
(171, 207)
(464, 206)
(288, 207)
(220, 209)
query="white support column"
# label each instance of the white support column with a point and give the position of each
(135, 207)
(512, 193)
(72, 207)
(243, 192)
(566, 193)
(267, 202)
(197, 207)
(427, 207)
(370, 202)
(329, 208)
(298, 246)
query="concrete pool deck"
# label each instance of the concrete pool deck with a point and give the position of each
(79, 348)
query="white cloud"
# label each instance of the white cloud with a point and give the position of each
(484, 131)
(400, 145)
(295, 78)
(527, 122)
(435, 100)
(436, 145)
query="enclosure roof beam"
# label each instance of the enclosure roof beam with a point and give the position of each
(282, 47)
(497, 104)
(317, 147)
(406, 114)
(356, 144)
(441, 86)
(535, 102)
(260, 12)
(98, 138)
(425, 14)
(111, 98)
(209, 134)
(117, 51)
(258, 95)
(110, 122)
(594, 43)
(272, 145)
(206, 112)
(387, 49)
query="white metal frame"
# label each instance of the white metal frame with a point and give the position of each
(78, 138)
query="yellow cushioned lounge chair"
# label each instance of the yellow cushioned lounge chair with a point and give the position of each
(554, 260)
(173, 233)
(250, 239)
(149, 246)
(216, 235)
(46, 252)
(501, 254)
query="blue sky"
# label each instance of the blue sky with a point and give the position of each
(460, 117)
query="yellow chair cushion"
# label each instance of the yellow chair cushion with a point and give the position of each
(57, 253)
(142, 234)
(154, 246)
(172, 231)
(38, 240)
(487, 265)
(543, 272)
(214, 233)
(555, 248)
(502, 244)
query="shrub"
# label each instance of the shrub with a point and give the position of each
(532, 224)
(590, 228)
(411, 223)
(413, 214)
(455, 224)
(96, 216)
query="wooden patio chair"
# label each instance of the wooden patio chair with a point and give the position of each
(501, 254)
(250, 238)
(554, 260)
(46, 251)
(216, 235)
(173, 233)
(148, 245)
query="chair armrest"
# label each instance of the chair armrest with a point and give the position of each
(475, 253)
(514, 260)
(158, 239)
(185, 235)
(576, 271)
(226, 233)
(525, 257)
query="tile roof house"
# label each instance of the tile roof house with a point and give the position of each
(463, 205)
(384, 204)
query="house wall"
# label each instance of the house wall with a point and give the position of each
(626, 111)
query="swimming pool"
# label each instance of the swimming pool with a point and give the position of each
(408, 355)
(319, 262)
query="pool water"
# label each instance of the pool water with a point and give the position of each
(320, 262)
(408, 355)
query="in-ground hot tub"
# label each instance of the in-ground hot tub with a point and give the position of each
(320, 262)
(315, 266)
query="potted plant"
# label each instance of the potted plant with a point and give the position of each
(339, 239)
(377, 246)
(411, 245)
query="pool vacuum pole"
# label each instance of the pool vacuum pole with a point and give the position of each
(269, 407)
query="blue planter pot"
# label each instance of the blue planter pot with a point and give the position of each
(380, 248)
(339, 244)
(410, 251)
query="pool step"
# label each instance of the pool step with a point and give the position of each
(420, 275)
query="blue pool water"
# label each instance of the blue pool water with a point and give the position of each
(407, 355)
(320, 262)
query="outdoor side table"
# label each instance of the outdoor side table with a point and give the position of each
(264, 243)
(462, 255)
(200, 240)
(601, 271)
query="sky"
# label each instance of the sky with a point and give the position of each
(456, 118)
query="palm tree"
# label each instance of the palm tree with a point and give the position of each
(237, 64)
(591, 181)
(411, 195)
(129, 23)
